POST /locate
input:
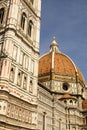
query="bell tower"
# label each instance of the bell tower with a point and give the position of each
(19, 51)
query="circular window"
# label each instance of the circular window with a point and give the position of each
(65, 86)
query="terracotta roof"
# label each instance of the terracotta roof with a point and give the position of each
(62, 65)
(45, 64)
(84, 104)
(66, 96)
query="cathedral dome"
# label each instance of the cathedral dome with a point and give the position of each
(56, 65)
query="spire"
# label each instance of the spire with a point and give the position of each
(54, 45)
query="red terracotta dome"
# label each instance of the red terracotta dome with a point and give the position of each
(58, 63)
(62, 64)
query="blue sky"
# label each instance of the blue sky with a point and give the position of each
(67, 21)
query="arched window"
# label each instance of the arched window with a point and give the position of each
(19, 78)
(30, 27)
(44, 120)
(31, 86)
(82, 90)
(25, 82)
(23, 18)
(71, 101)
(1, 15)
(12, 73)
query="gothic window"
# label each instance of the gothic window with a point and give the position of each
(12, 73)
(44, 120)
(1, 15)
(31, 86)
(30, 27)
(25, 82)
(23, 18)
(32, 66)
(26, 62)
(21, 58)
(19, 78)
(14, 52)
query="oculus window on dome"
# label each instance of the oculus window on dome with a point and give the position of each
(65, 86)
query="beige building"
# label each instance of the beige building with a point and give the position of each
(19, 52)
(61, 92)
(46, 93)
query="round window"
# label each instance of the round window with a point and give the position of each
(65, 86)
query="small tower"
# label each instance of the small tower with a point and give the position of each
(19, 51)
(54, 47)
